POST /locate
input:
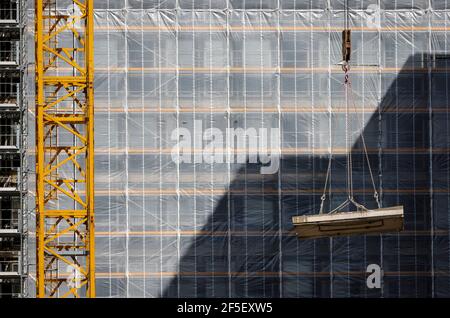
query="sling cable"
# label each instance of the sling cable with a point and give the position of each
(65, 251)
(362, 221)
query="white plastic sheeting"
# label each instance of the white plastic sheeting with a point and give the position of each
(167, 228)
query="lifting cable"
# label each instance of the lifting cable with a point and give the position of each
(348, 93)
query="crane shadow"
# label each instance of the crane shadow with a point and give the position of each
(247, 248)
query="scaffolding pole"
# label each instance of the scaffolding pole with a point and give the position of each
(65, 248)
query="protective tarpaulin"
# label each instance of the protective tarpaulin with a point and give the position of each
(167, 71)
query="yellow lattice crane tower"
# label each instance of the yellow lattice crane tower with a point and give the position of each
(65, 248)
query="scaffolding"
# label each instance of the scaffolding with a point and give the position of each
(13, 150)
(166, 228)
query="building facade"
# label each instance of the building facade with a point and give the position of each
(169, 71)
(13, 147)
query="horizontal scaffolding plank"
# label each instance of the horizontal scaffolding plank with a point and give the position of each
(266, 69)
(283, 151)
(9, 275)
(64, 276)
(9, 232)
(102, 192)
(287, 233)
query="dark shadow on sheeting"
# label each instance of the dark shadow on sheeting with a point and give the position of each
(268, 261)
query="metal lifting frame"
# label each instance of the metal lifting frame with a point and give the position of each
(65, 251)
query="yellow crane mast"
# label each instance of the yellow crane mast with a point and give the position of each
(65, 250)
